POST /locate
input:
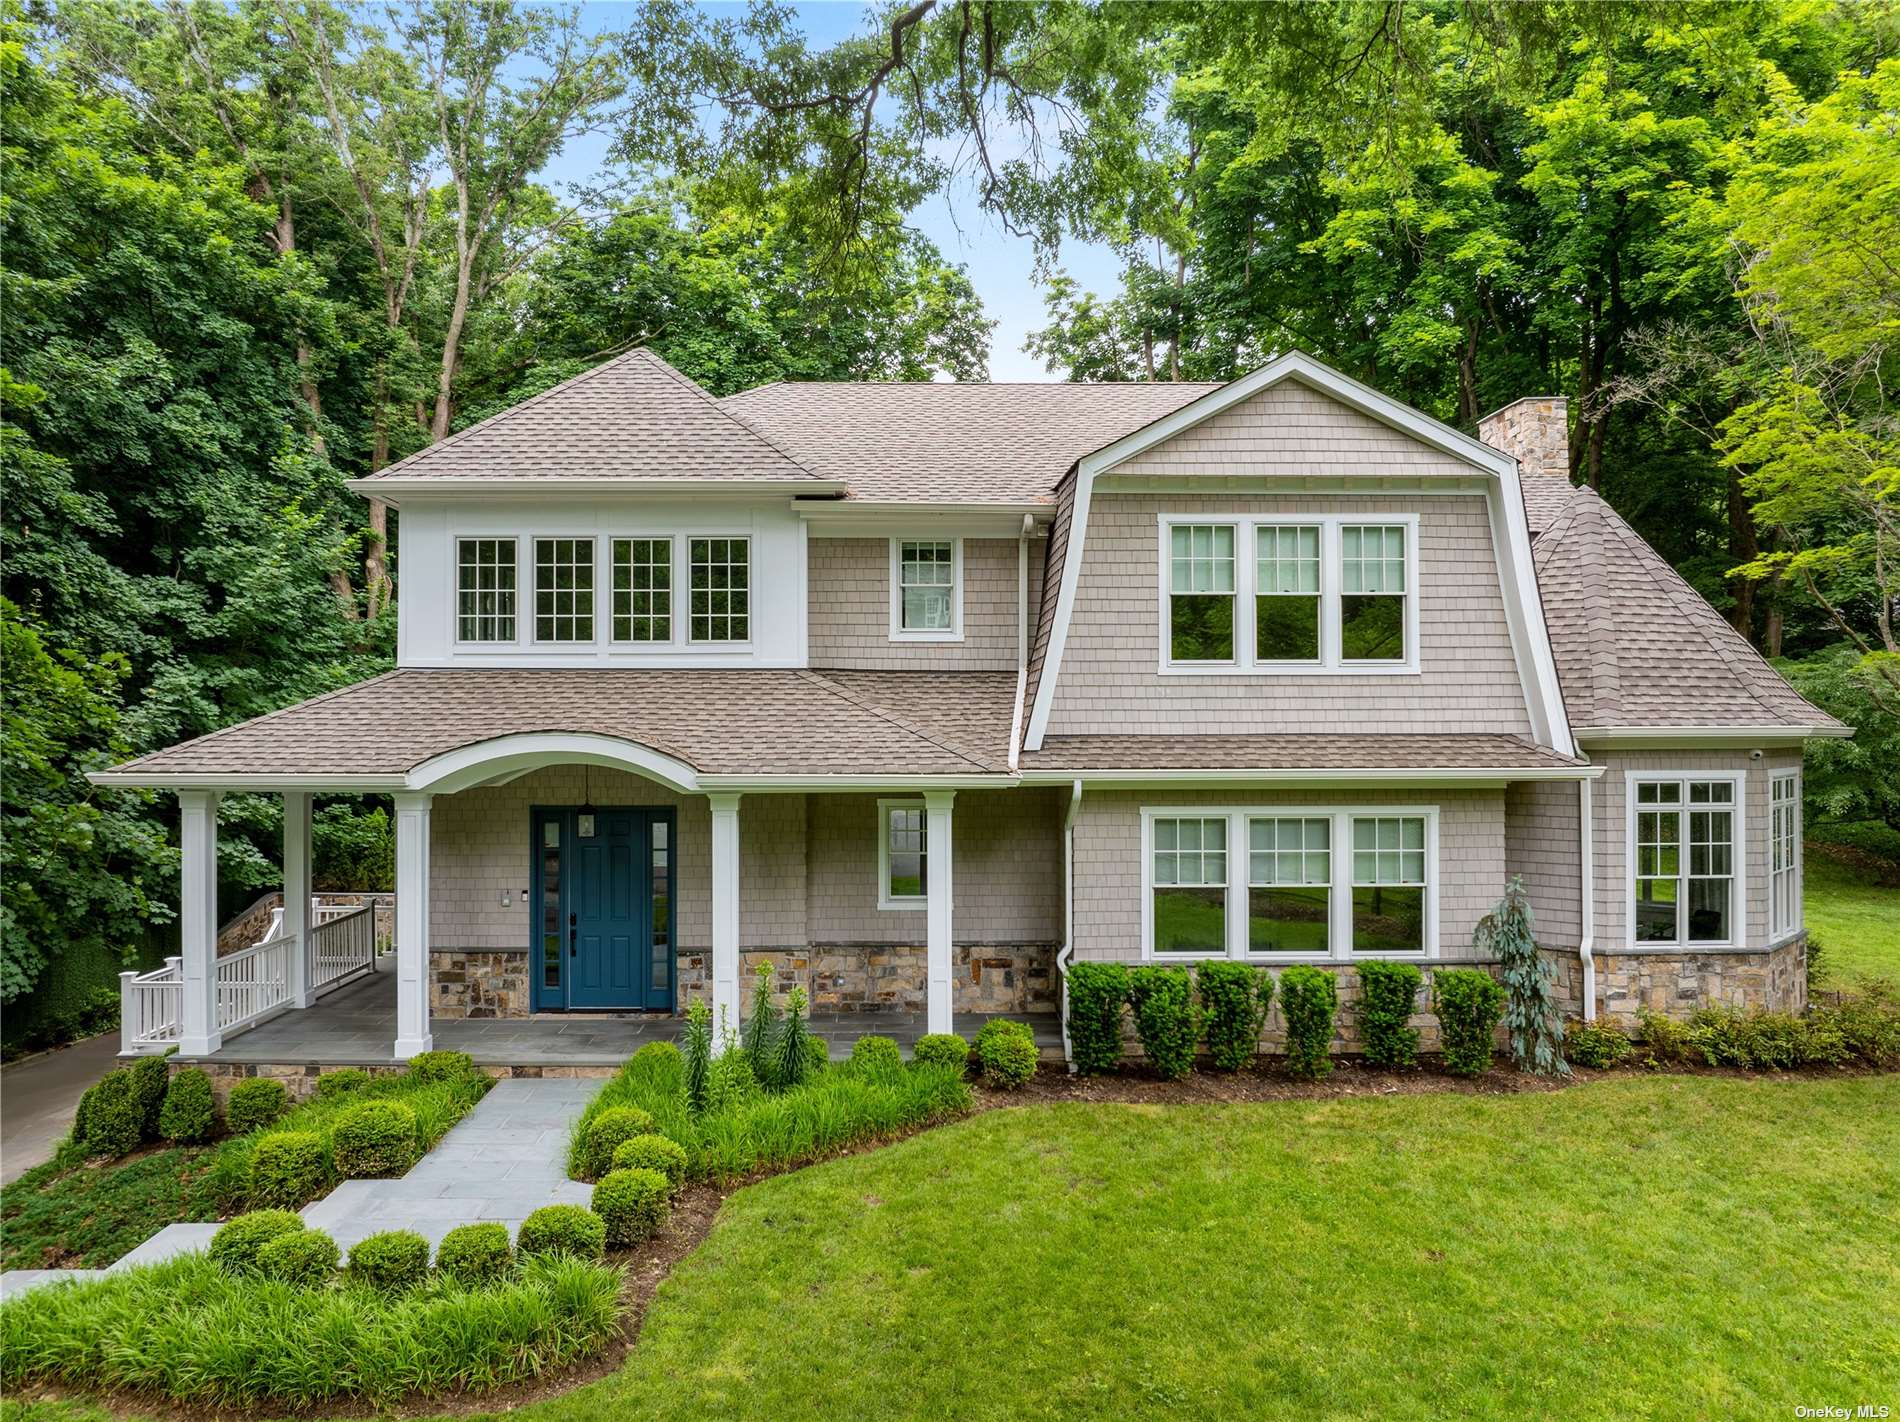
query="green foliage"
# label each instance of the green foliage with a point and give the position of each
(151, 1076)
(332, 1084)
(1308, 999)
(255, 1103)
(792, 1054)
(394, 1259)
(441, 1066)
(730, 1081)
(758, 1038)
(941, 1049)
(606, 1131)
(1861, 1028)
(1235, 999)
(1097, 993)
(652, 1153)
(185, 1331)
(371, 1138)
(235, 1247)
(1869, 1023)
(109, 1118)
(476, 1254)
(696, 1053)
(1387, 994)
(1006, 1052)
(573, 1230)
(352, 851)
(288, 1169)
(1597, 1045)
(189, 1113)
(1507, 933)
(633, 1203)
(1166, 1019)
(1468, 1003)
(876, 1054)
(303, 1259)
(1845, 781)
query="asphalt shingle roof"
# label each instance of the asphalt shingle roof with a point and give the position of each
(1293, 752)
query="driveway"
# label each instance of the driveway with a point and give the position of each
(38, 1097)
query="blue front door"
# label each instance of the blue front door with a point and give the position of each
(603, 908)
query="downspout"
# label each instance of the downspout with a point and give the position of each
(1586, 947)
(1066, 954)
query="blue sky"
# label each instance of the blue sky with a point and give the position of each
(1001, 266)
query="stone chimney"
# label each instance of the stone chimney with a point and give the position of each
(1536, 430)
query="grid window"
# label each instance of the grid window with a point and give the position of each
(1784, 864)
(1289, 885)
(1388, 884)
(906, 854)
(485, 589)
(1201, 592)
(1286, 593)
(926, 586)
(643, 590)
(1372, 593)
(1685, 861)
(1190, 885)
(722, 607)
(564, 589)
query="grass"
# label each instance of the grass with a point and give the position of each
(1855, 919)
(68, 1213)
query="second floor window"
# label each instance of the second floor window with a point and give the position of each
(1286, 593)
(643, 590)
(1372, 593)
(1201, 592)
(563, 589)
(722, 584)
(485, 589)
(925, 601)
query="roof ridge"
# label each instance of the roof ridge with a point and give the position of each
(884, 713)
(732, 416)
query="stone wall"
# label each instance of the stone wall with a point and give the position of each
(859, 977)
(300, 1080)
(478, 983)
(1675, 983)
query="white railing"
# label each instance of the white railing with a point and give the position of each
(151, 1009)
(344, 944)
(322, 911)
(252, 982)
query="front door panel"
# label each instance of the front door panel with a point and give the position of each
(604, 909)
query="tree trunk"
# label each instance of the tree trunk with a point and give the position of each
(452, 341)
(1743, 547)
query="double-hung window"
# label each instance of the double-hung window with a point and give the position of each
(1784, 854)
(926, 589)
(721, 590)
(485, 589)
(1289, 885)
(1372, 592)
(563, 589)
(1683, 835)
(642, 590)
(1189, 885)
(1201, 592)
(903, 859)
(1388, 884)
(1286, 624)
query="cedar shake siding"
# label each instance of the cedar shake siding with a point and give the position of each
(1542, 846)
(851, 607)
(1109, 682)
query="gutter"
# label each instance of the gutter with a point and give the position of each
(1586, 946)
(1066, 954)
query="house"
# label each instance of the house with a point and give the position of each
(919, 692)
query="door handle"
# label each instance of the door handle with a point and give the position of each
(573, 942)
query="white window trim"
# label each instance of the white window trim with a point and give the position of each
(900, 633)
(885, 899)
(683, 580)
(1330, 662)
(534, 637)
(1339, 929)
(632, 644)
(522, 596)
(1738, 856)
(1797, 865)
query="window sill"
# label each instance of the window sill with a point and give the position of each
(926, 637)
(903, 905)
(1265, 669)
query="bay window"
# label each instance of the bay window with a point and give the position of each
(1784, 855)
(1683, 866)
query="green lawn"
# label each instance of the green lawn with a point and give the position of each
(1855, 920)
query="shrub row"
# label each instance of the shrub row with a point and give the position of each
(1861, 1030)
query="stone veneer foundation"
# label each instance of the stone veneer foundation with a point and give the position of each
(478, 983)
(856, 977)
(300, 1081)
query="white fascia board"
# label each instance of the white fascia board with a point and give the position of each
(262, 782)
(1470, 779)
(391, 491)
(1524, 614)
(856, 518)
(1694, 737)
(854, 783)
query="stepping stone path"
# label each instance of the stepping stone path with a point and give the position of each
(502, 1161)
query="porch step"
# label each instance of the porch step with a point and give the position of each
(168, 1243)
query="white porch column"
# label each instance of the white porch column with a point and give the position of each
(297, 896)
(198, 921)
(412, 926)
(725, 909)
(939, 1012)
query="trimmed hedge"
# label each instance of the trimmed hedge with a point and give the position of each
(1469, 1004)
(653, 1153)
(108, 1120)
(1165, 1019)
(190, 1112)
(151, 1077)
(441, 1066)
(876, 1054)
(1308, 999)
(341, 1082)
(562, 1229)
(288, 1168)
(632, 1203)
(1007, 1052)
(374, 1138)
(255, 1104)
(605, 1133)
(1097, 994)
(302, 1258)
(1387, 994)
(944, 1049)
(234, 1248)
(394, 1259)
(476, 1254)
(1235, 999)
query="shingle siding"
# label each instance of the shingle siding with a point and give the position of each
(851, 608)
(1542, 845)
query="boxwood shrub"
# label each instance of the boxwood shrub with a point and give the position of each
(1597, 1045)
(875, 1054)
(605, 1133)
(341, 1082)
(653, 1153)
(107, 1121)
(288, 1169)
(1469, 1003)
(190, 1112)
(1387, 994)
(302, 1258)
(1308, 999)
(632, 1204)
(150, 1077)
(475, 1254)
(374, 1138)
(394, 1259)
(1166, 1020)
(441, 1066)
(562, 1229)
(234, 1248)
(1006, 1051)
(941, 1049)
(1097, 994)
(1235, 998)
(253, 1104)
